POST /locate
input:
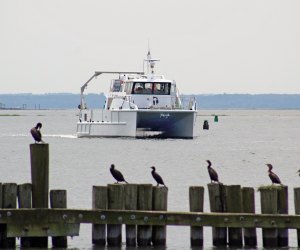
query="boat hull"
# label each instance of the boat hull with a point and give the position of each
(138, 123)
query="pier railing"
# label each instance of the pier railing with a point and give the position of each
(142, 208)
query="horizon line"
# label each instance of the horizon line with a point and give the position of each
(102, 93)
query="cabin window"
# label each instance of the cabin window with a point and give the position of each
(128, 87)
(138, 88)
(161, 88)
(146, 88)
(116, 86)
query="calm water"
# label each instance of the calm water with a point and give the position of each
(239, 146)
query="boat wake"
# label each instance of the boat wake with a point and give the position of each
(62, 136)
(46, 135)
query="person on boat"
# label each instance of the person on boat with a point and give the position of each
(139, 90)
(156, 88)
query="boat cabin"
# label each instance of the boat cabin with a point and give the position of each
(145, 93)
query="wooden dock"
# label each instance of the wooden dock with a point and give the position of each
(142, 208)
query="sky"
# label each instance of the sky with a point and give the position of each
(208, 47)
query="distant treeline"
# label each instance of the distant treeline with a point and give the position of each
(247, 101)
(217, 101)
(49, 101)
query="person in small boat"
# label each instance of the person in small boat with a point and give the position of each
(117, 174)
(36, 133)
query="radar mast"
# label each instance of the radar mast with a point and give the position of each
(150, 63)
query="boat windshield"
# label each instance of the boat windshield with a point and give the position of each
(155, 88)
(115, 85)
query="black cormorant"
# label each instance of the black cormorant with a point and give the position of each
(157, 177)
(36, 133)
(212, 173)
(117, 174)
(274, 178)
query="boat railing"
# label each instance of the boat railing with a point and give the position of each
(90, 116)
(188, 102)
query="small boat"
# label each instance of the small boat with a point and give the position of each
(139, 104)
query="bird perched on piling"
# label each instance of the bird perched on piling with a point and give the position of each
(117, 174)
(212, 173)
(274, 178)
(36, 133)
(157, 177)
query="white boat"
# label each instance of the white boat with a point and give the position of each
(139, 105)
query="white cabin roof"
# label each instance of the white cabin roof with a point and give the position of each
(145, 78)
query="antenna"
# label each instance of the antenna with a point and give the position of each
(150, 61)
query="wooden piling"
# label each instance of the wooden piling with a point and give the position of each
(9, 194)
(283, 208)
(24, 195)
(1, 197)
(130, 203)
(217, 204)
(144, 234)
(39, 158)
(234, 205)
(115, 201)
(248, 199)
(99, 201)
(297, 209)
(196, 198)
(160, 203)
(58, 199)
(39, 155)
(2, 226)
(269, 201)
(24, 201)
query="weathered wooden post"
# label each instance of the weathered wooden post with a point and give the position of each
(269, 201)
(131, 192)
(297, 209)
(2, 226)
(24, 201)
(58, 199)
(144, 233)
(196, 197)
(217, 202)
(283, 208)
(9, 193)
(250, 238)
(160, 203)
(99, 201)
(24, 195)
(115, 201)
(39, 157)
(1, 197)
(234, 205)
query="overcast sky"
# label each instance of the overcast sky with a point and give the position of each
(213, 46)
